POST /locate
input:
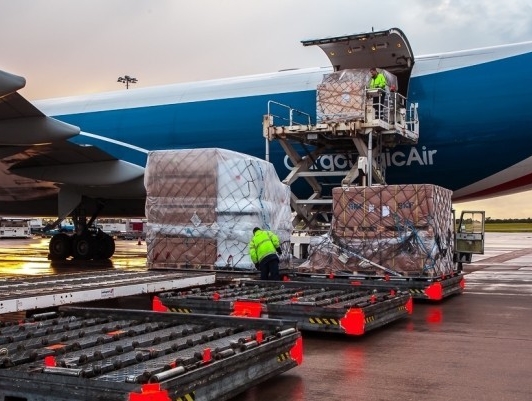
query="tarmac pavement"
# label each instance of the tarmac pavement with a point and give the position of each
(474, 346)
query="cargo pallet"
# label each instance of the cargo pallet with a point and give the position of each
(322, 307)
(421, 288)
(111, 354)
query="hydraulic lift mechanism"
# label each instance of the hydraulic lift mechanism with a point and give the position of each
(361, 137)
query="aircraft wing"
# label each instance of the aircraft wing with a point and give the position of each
(41, 170)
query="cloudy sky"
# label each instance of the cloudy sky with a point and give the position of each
(72, 47)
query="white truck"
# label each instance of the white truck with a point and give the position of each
(15, 228)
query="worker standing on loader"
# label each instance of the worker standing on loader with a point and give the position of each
(378, 81)
(263, 250)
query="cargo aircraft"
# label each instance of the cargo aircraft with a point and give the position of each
(84, 156)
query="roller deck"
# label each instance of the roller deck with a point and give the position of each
(30, 293)
(322, 307)
(110, 354)
(420, 288)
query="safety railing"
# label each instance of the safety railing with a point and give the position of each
(282, 114)
(393, 108)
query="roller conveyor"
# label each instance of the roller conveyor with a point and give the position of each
(111, 354)
(30, 293)
(324, 307)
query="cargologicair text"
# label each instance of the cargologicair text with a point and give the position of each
(398, 158)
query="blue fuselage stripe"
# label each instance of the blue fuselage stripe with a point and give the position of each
(460, 125)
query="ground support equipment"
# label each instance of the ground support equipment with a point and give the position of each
(323, 307)
(228, 275)
(112, 354)
(30, 293)
(421, 288)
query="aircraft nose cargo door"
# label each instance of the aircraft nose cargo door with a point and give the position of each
(388, 50)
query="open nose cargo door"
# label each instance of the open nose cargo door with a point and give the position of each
(388, 50)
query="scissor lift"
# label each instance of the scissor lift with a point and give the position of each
(84, 354)
(362, 138)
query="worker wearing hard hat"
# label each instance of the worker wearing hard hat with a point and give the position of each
(263, 250)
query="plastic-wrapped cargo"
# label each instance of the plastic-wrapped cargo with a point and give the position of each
(404, 228)
(202, 206)
(341, 96)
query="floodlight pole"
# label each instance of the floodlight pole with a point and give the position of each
(126, 79)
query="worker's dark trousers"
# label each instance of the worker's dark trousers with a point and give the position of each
(269, 268)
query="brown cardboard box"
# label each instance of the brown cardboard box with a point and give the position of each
(341, 95)
(186, 174)
(173, 252)
(360, 211)
(182, 211)
(406, 228)
(215, 195)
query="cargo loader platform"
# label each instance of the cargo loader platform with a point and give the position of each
(29, 293)
(131, 355)
(420, 288)
(322, 307)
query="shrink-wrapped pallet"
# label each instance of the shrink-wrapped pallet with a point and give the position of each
(341, 95)
(361, 211)
(212, 195)
(403, 228)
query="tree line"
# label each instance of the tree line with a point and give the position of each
(501, 221)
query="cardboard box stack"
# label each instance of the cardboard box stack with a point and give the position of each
(405, 228)
(202, 206)
(341, 95)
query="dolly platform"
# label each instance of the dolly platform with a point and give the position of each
(30, 293)
(323, 307)
(130, 355)
(421, 288)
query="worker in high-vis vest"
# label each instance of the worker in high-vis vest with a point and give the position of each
(378, 81)
(264, 248)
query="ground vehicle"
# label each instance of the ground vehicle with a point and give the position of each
(122, 228)
(15, 228)
(468, 237)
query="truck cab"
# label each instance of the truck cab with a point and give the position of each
(468, 237)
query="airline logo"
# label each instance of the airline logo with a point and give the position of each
(412, 157)
(398, 158)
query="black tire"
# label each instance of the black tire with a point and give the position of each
(83, 247)
(105, 247)
(60, 246)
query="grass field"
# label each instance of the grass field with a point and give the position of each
(508, 227)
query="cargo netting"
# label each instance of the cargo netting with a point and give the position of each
(341, 94)
(403, 230)
(202, 206)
